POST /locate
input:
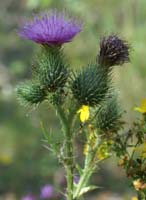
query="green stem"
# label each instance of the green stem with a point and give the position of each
(90, 166)
(69, 165)
(83, 181)
(69, 159)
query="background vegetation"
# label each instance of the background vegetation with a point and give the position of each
(24, 164)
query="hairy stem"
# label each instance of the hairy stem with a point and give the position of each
(68, 158)
(69, 168)
(83, 182)
(90, 166)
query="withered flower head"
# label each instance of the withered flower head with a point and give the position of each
(113, 51)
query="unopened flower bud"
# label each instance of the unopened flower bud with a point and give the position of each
(113, 51)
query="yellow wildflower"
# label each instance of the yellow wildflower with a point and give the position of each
(142, 108)
(134, 198)
(84, 113)
(5, 159)
(139, 184)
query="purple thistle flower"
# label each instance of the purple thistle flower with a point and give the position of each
(47, 192)
(29, 197)
(51, 28)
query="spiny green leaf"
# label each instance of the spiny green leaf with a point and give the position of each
(80, 170)
(87, 189)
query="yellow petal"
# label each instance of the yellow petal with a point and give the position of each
(142, 108)
(143, 103)
(84, 113)
(138, 109)
(134, 198)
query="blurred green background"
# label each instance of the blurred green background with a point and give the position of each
(24, 164)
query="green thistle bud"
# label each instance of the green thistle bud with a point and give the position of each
(90, 86)
(31, 93)
(109, 116)
(52, 72)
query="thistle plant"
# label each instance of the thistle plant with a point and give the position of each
(84, 100)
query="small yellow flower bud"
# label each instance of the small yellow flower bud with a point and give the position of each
(86, 149)
(103, 151)
(84, 113)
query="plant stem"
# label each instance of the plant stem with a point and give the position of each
(69, 165)
(90, 165)
(83, 181)
(68, 157)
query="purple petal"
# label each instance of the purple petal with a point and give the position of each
(47, 191)
(51, 28)
(29, 197)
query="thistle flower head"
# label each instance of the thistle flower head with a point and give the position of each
(29, 197)
(51, 28)
(52, 71)
(113, 51)
(90, 86)
(109, 116)
(31, 93)
(47, 191)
